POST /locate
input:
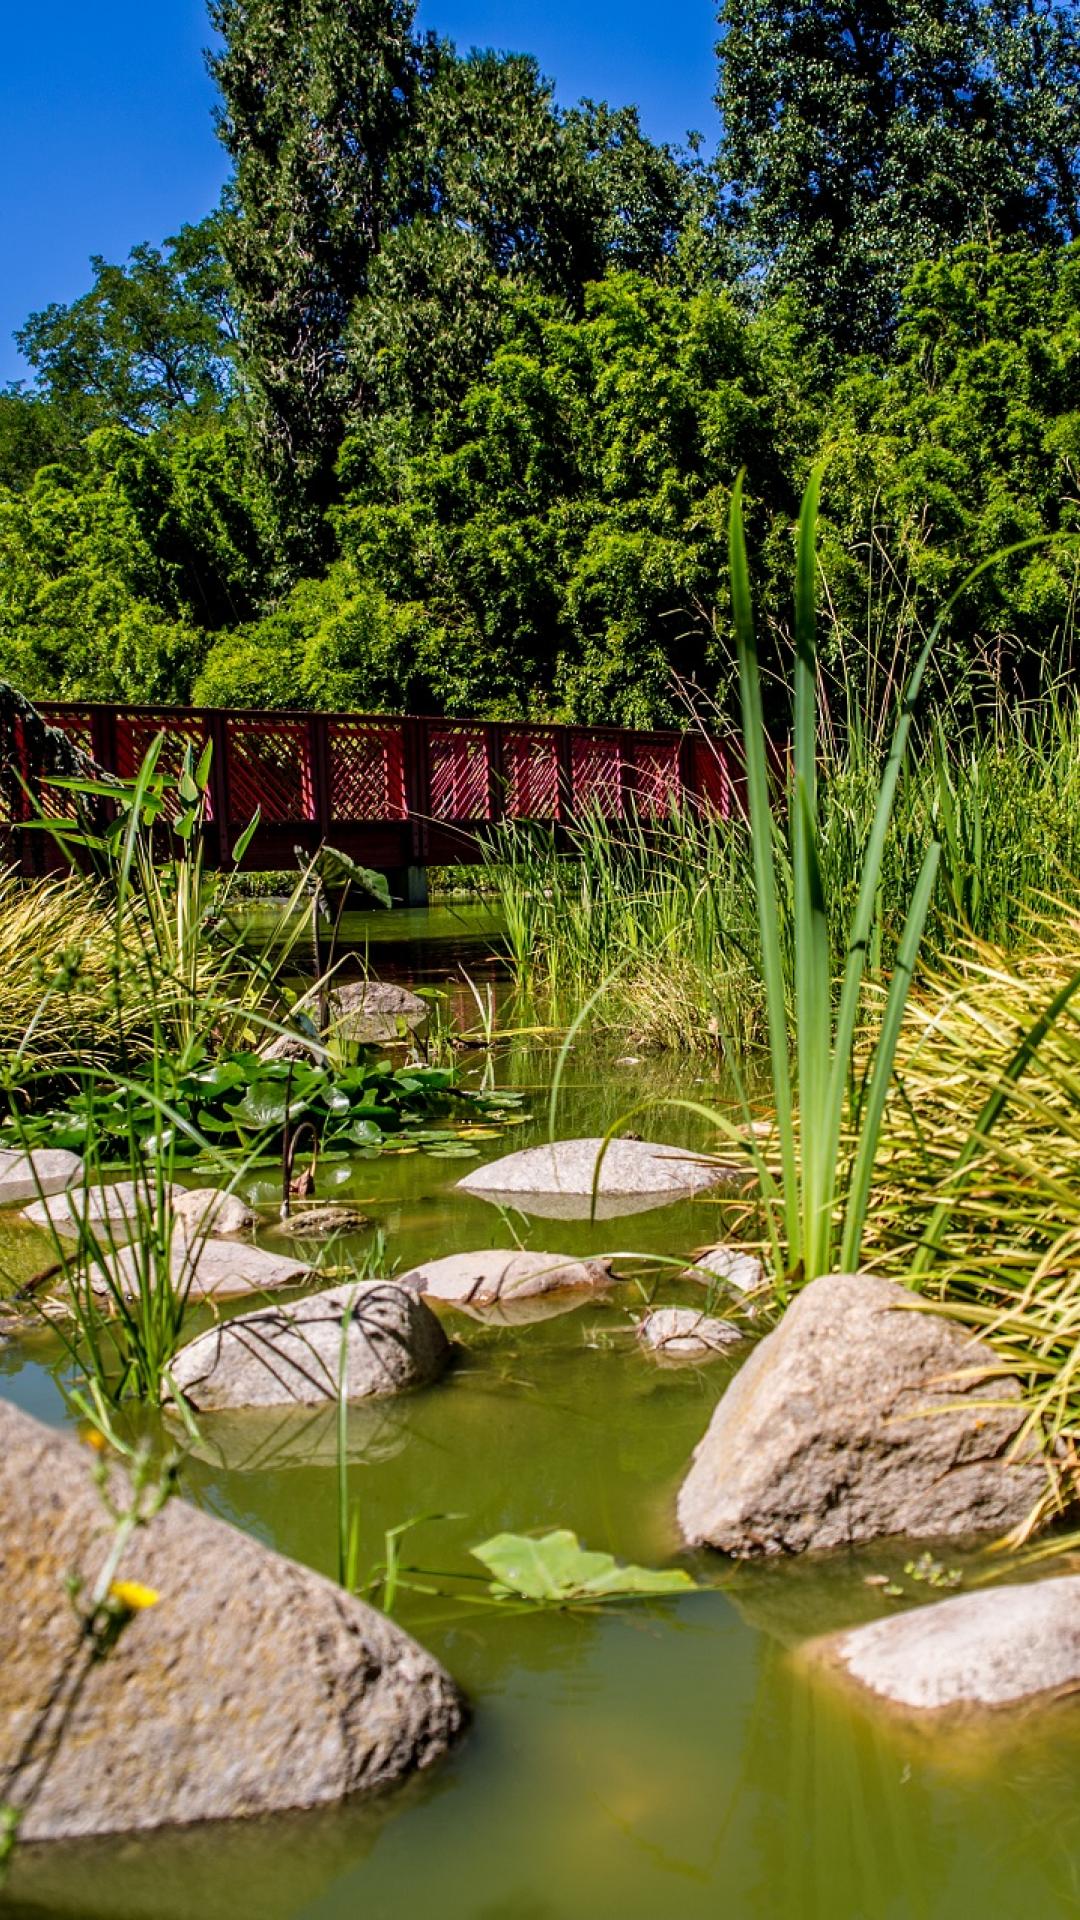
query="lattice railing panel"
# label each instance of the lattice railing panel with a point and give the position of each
(657, 781)
(458, 772)
(269, 771)
(78, 725)
(367, 771)
(531, 772)
(596, 768)
(135, 735)
(714, 777)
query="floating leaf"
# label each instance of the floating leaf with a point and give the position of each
(555, 1568)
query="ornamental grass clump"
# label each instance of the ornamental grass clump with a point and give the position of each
(977, 1188)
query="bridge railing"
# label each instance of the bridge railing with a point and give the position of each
(391, 791)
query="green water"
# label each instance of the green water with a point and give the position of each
(670, 1760)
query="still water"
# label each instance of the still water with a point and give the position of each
(663, 1762)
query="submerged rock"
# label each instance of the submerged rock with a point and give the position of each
(221, 1269)
(859, 1415)
(23, 1176)
(727, 1266)
(251, 1685)
(681, 1333)
(503, 1278)
(320, 1223)
(976, 1650)
(556, 1181)
(207, 1209)
(291, 1355)
(121, 1210)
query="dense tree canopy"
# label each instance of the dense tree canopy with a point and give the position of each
(442, 407)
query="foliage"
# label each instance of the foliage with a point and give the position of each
(824, 1184)
(860, 141)
(151, 343)
(977, 1188)
(240, 1102)
(553, 1569)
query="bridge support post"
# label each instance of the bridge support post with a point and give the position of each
(409, 885)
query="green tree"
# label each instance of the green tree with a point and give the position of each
(969, 444)
(150, 343)
(316, 99)
(860, 139)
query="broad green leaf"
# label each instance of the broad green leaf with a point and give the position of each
(555, 1568)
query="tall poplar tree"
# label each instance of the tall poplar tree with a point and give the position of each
(315, 114)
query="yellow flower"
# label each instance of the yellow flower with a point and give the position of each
(93, 1437)
(133, 1595)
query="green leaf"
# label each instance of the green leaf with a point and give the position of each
(555, 1569)
(265, 1106)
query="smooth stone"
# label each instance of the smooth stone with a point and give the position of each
(221, 1269)
(727, 1266)
(503, 1277)
(848, 1422)
(207, 1209)
(286, 1356)
(683, 1333)
(975, 1650)
(556, 1181)
(25, 1176)
(320, 1222)
(127, 1204)
(251, 1687)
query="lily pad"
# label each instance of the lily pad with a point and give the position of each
(556, 1569)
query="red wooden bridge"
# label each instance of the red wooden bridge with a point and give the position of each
(396, 794)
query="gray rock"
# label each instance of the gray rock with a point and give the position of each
(858, 1416)
(221, 1269)
(206, 1209)
(252, 1686)
(682, 1333)
(729, 1267)
(23, 1176)
(372, 1013)
(503, 1278)
(297, 1047)
(556, 1181)
(283, 1356)
(123, 1209)
(986, 1649)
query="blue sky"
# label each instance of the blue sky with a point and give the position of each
(106, 135)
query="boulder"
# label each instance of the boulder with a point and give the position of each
(119, 1211)
(207, 1209)
(728, 1267)
(221, 1269)
(503, 1278)
(681, 1333)
(992, 1648)
(251, 1686)
(860, 1415)
(23, 1176)
(556, 1181)
(283, 1356)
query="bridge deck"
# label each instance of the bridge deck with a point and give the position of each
(394, 793)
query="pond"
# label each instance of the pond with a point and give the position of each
(668, 1759)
